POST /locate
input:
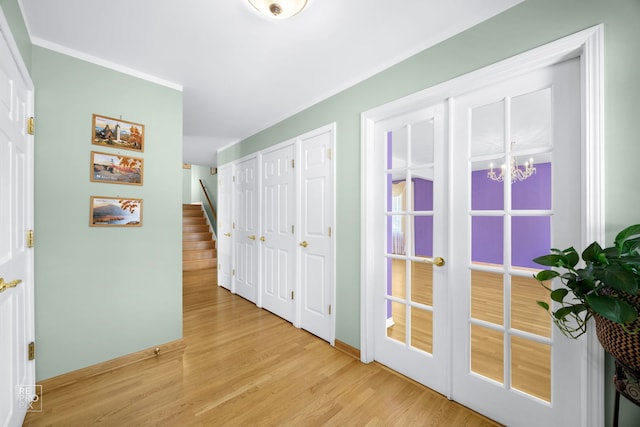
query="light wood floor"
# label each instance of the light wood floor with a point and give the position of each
(244, 366)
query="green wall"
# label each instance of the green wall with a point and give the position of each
(13, 15)
(103, 292)
(528, 25)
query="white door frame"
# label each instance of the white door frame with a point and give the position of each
(588, 45)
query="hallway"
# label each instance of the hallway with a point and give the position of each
(244, 366)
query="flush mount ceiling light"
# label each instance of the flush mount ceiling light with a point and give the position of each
(279, 9)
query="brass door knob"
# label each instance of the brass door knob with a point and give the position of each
(252, 237)
(437, 261)
(304, 244)
(7, 285)
(227, 234)
(262, 239)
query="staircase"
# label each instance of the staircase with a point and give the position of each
(198, 247)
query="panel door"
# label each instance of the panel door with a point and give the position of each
(245, 230)
(17, 373)
(277, 242)
(410, 316)
(517, 162)
(315, 234)
(224, 238)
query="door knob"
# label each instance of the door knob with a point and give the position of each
(262, 239)
(437, 261)
(227, 234)
(252, 237)
(304, 244)
(6, 285)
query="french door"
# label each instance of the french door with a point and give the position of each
(411, 294)
(518, 146)
(467, 192)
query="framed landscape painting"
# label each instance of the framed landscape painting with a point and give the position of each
(115, 212)
(117, 133)
(116, 169)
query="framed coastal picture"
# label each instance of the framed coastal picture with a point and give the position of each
(116, 169)
(117, 133)
(115, 212)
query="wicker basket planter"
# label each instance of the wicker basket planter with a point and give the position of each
(616, 341)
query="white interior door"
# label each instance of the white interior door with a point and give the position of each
(245, 230)
(224, 238)
(17, 373)
(277, 242)
(315, 233)
(516, 155)
(410, 319)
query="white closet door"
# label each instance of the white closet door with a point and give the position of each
(245, 230)
(225, 236)
(277, 242)
(315, 233)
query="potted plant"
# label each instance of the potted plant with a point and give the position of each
(604, 286)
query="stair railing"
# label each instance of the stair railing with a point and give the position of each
(213, 211)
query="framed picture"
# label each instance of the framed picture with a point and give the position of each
(117, 133)
(115, 212)
(116, 169)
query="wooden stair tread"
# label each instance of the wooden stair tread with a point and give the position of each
(198, 247)
(199, 264)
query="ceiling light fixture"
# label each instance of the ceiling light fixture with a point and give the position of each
(279, 9)
(516, 172)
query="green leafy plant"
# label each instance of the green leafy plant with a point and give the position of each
(601, 284)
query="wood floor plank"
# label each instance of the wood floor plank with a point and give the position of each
(243, 366)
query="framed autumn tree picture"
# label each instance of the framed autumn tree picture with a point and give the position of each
(115, 212)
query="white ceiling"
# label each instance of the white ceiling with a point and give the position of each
(240, 71)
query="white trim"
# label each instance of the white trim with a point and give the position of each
(104, 63)
(588, 45)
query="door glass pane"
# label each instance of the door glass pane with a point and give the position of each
(487, 192)
(398, 275)
(487, 240)
(422, 283)
(526, 315)
(397, 149)
(530, 238)
(531, 367)
(422, 329)
(422, 181)
(487, 297)
(423, 236)
(535, 191)
(487, 129)
(422, 142)
(487, 352)
(396, 226)
(531, 120)
(396, 321)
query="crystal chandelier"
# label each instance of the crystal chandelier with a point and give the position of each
(518, 173)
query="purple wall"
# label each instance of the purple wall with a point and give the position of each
(530, 236)
(423, 191)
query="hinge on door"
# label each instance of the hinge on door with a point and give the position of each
(329, 153)
(31, 126)
(233, 272)
(329, 231)
(234, 178)
(292, 294)
(329, 308)
(30, 241)
(293, 229)
(233, 225)
(32, 350)
(293, 163)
